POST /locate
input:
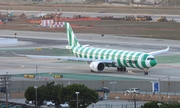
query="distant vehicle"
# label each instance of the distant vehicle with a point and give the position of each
(100, 97)
(143, 18)
(162, 19)
(29, 102)
(49, 103)
(65, 105)
(133, 90)
(129, 18)
(103, 89)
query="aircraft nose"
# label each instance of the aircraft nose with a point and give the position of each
(153, 63)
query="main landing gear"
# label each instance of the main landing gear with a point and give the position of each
(121, 68)
(145, 71)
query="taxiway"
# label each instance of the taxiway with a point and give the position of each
(29, 41)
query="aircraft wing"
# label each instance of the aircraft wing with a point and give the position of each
(65, 58)
(159, 52)
(85, 60)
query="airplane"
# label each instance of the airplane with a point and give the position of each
(99, 58)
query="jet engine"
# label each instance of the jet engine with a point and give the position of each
(97, 66)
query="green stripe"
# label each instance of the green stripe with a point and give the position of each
(94, 53)
(91, 53)
(118, 59)
(144, 60)
(76, 49)
(113, 58)
(75, 41)
(114, 54)
(153, 62)
(124, 59)
(72, 48)
(68, 33)
(102, 54)
(81, 50)
(97, 53)
(136, 59)
(70, 36)
(111, 55)
(86, 52)
(108, 54)
(130, 58)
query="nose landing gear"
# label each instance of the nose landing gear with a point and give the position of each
(145, 71)
(121, 68)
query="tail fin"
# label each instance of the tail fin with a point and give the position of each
(70, 35)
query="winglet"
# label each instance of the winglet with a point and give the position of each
(167, 48)
(160, 51)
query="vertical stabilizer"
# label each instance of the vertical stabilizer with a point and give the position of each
(70, 35)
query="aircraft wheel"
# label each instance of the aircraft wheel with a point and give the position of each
(124, 68)
(145, 73)
(92, 71)
(118, 68)
(121, 69)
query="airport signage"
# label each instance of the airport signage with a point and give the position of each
(155, 87)
(29, 76)
(38, 49)
(58, 76)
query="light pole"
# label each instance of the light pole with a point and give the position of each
(113, 85)
(5, 81)
(77, 93)
(36, 72)
(36, 94)
(6, 87)
(134, 100)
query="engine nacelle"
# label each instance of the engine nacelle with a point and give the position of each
(97, 66)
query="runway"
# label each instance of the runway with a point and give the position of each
(54, 44)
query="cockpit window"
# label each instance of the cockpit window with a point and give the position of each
(150, 58)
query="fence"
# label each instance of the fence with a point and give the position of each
(171, 3)
(116, 105)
